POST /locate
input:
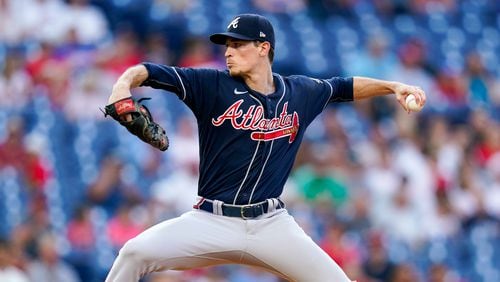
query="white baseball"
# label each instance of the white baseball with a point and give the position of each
(411, 103)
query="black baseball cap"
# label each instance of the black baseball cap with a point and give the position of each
(247, 27)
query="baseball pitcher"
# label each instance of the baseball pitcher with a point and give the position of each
(251, 122)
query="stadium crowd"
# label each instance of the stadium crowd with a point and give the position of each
(390, 196)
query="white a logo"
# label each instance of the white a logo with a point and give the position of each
(234, 23)
(262, 34)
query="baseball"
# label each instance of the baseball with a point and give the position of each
(411, 103)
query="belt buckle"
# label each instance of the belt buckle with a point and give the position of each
(242, 211)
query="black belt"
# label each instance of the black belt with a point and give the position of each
(243, 211)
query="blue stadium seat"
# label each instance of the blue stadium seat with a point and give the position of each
(104, 251)
(13, 200)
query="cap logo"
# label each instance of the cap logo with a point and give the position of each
(234, 23)
(262, 34)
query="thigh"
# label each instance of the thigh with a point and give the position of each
(194, 239)
(281, 244)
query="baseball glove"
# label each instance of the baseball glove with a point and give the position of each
(140, 122)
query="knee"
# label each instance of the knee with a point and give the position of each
(133, 250)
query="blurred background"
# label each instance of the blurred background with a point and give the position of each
(389, 196)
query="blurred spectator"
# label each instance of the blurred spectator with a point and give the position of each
(18, 256)
(49, 267)
(185, 138)
(8, 271)
(452, 90)
(173, 6)
(198, 54)
(377, 265)
(495, 97)
(52, 20)
(447, 144)
(432, 6)
(446, 222)
(15, 152)
(123, 226)
(88, 93)
(469, 201)
(78, 55)
(431, 149)
(417, 178)
(334, 145)
(11, 29)
(492, 191)
(167, 276)
(357, 213)
(108, 190)
(382, 182)
(15, 83)
(176, 193)
(390, 8)
(465, 195)
(121, 54)
(157, 50)
(37, 59)
(488, 142)
(86, 21)
(11, 149)
(50, 73)
(402, 221)
(80, 234)
(478, 82)
(43, 20)
(317, 181)
(441, 273)
(479, 121)
(80, 230)
(326, 8)
(342, 250)
(25, 235)
(152, 168)
(376, 60)
(404, 272)
(280, 6)
(249, 274)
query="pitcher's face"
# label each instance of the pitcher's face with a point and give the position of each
(241, 56)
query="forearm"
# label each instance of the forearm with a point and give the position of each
(133, 77)
(364, 87)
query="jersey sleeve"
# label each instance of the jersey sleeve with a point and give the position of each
(341, 89)
(192, 86)
(319, 92)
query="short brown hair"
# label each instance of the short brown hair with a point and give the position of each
(270, 55)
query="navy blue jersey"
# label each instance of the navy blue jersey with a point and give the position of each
(248, 141)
